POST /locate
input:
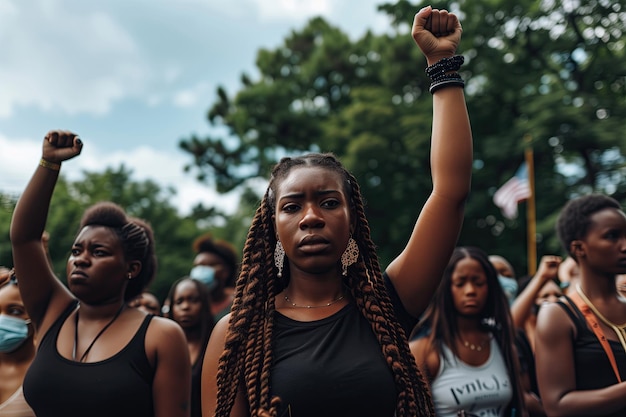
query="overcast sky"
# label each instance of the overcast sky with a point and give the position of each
(134, 77)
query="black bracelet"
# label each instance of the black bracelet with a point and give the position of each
(444, 66)
(448, 82)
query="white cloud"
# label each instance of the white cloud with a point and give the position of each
(288, 9)
(164, 168)
(72, 57)
(20, 156)
(64, 60)
(191, 97)
(68, 60)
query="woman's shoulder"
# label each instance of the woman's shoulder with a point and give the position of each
(555, 319)
(163, 324)
(220, 329)
(161, 330)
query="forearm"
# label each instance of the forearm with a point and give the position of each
(31, 211)
(451, 149)
(600, 402)
(521, 308)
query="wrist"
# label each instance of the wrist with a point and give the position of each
(444, 73)
(432, 60)
(53, 166)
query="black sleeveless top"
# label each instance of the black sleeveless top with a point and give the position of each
(119, 386)
(333, 367)
(593, 369)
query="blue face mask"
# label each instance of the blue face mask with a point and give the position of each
(13, 332)
(509, 285)
(205, 274)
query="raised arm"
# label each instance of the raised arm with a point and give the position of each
(522, 306)
(416, 272)
(41, 291)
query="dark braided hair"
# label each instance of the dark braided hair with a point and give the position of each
(136, 237)
(247, 357)
(441, 314)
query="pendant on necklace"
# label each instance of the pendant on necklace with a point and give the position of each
(472, 346)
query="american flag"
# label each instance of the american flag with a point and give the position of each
(512, 192)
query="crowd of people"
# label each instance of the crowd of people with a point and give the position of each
(306, 322)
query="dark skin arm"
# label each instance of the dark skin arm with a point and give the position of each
(44, 296)
(416, 272)
(522, 306)
(532, 402)
(172, 378)
(426, 357)
(209, 372)
(556, 374)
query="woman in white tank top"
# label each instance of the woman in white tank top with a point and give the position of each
(466, 343)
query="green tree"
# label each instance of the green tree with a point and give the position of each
(550, 71)
(7, 204)
(173, 233)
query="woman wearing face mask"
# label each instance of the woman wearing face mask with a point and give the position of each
(506, 276)
(17, 349)
(216, 265)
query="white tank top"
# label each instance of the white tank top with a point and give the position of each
(482, 391)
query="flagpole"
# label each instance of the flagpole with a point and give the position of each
(531, 221)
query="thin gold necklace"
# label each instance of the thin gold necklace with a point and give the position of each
(620, 330)
(479, 347)
(328, 304)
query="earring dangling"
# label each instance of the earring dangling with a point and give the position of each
(130, 276)
(279, 258)
(349, 256)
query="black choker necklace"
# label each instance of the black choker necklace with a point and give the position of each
(117, 314)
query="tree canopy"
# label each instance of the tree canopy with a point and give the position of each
(173, 233)
(554, 72)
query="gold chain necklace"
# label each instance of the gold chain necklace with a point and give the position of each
(620, 330)
(330, 303)
(479, 347)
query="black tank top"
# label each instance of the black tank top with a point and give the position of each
(334, 367)
(119, 386)
(593, 369)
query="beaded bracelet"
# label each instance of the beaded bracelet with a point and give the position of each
(450, 82)
(444, 73)
(50, 165)
(443, 66)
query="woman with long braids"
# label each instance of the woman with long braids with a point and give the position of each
(95, 355)
(316, 328)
